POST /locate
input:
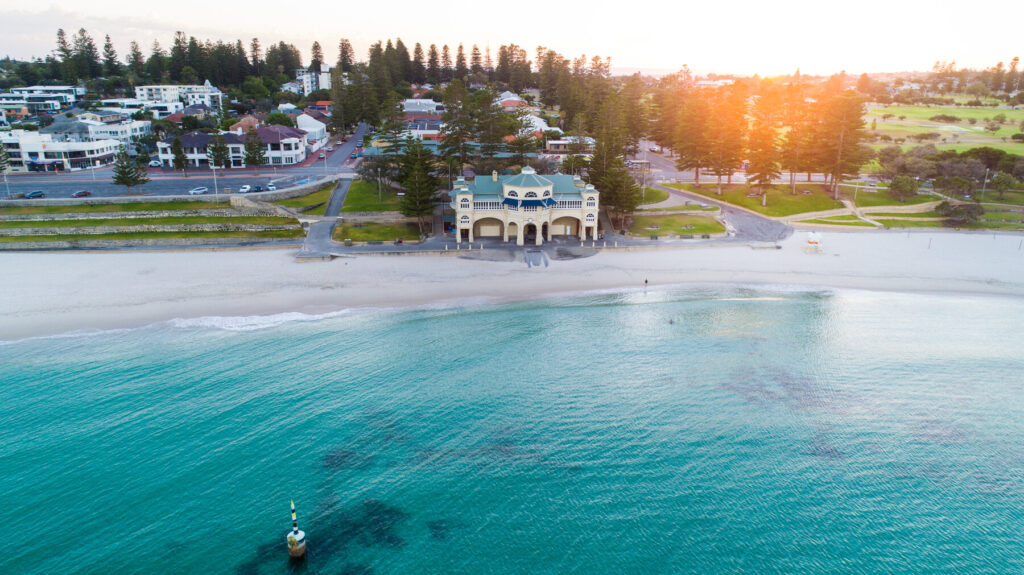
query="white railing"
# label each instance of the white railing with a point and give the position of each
(486, 205)
(569, 205)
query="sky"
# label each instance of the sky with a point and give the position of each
(720, 36)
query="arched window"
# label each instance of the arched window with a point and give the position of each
(513, 194)
(530, 195)
(464, 202)
(464, 219)
(547, 193)
(590, 217)
(591, 202)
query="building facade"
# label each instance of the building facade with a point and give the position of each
(310, 81)
(527, 208)
(283, 146)
(35, 152)
(188, 94)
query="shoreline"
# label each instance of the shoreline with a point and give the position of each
(54, 293)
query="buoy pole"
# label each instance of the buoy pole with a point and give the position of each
(296, 539)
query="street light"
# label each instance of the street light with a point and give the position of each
(216, 191)
(379, 200)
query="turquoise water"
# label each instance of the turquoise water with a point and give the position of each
(762, 431)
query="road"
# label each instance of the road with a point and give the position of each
(168, 182)
(663, 168)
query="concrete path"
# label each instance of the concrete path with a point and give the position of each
(744, 224)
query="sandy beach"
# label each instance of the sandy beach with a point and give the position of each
(49, 293)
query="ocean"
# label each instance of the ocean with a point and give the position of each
(723, 429)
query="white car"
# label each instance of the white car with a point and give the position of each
(155, 164)
(271, 187)
(245, 189)
(198, 191)
(330, 148)
(655, 149)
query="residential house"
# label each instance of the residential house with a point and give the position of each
(416, 105)
(293, 87)
(283, 146)
(509, 101)
(571, 144)
(325, 106)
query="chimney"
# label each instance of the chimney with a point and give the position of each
(494, 175)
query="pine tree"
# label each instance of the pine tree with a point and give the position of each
(419, 69)
(433, 65)
(127, 173)
(255, 154)
(136, 61)
(156, 65)
(415, 174)
(763, 151)
(5, 164)
(111, 67)
(460, 63)
(840, 135)
(180, 161)
(619, 192)
(691, 137)
(179, 53)
(65, 55)
(256, 56)
(87, 56)
(446, 64)
(346, 55)
(475, 61)
(726, 133)
(317, 58)
(218, 152)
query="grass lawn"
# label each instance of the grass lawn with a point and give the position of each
(653, 196)
(1003, 216)
(871, 199)
(269, 235)
(876, 215)
(846, 218)
(781, 202)
(372, 231)
(958, 136)
(320, 196)
(100, 208)
(674, 224)
(1014, 197)
(838, 222)
(260, 220)
(362, 197)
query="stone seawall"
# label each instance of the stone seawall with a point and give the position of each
(144, 243)
(97, 230)
(83, 216)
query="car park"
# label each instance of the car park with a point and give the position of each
(81, 194)
(198, 191)
(34, 195)
(245, 189)
(271, 187)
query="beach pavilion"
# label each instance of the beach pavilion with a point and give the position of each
(526, 207)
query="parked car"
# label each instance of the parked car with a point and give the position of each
(81, 194)
(330, 148)
(198, 191)
(245, 189)
(34, 195)
(271, 187)
(322, 156)
(258, 189)
(352, 156)
(155, 164)
(655, 149)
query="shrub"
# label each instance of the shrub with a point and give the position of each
(945, 118)
(1019, 137)
(959, 214)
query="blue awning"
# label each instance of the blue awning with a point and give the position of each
(546, 202)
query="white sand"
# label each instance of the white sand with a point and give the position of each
(52, 293)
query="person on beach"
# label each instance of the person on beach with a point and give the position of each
(645, 282)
